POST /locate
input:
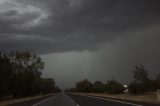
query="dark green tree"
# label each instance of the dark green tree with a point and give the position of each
(20, 75)
(84, 86)
(141, 77)
(140, 74)
(114, 87)
(142, 83)
(157, 82)
(27, 67)
(47, 86)
(98, 87)
(135, 88)
(6, 75)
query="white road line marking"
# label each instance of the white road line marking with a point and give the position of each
(112, 100)
(71, 100)
(42, 101)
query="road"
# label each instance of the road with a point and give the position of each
(68, 99)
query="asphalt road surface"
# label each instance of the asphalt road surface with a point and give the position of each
(68, 99)
(84, 100)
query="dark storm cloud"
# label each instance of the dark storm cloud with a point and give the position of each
(121, 33)
(71, 25)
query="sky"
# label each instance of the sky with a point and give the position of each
(78, 39)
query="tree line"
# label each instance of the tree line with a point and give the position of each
(20, 75)
(140, 84)
(86, 86)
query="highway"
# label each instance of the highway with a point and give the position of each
(69, 99)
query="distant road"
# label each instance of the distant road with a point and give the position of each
(69, 99)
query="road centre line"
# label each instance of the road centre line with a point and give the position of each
(71, 99)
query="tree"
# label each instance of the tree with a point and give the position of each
(141, 77)
(98, 87)
(84, 86)
(140, 74)
(158, 77)
(57, 89)
(135, 88)
(157, 82)
(114, 87)
(20, 75)
(27, 67)
(142, 83)
(47, 85)
(6, 75)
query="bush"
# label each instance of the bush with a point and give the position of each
(135, 88)
(142, 83)
(84, 86)
(98, 87)
(113, 87)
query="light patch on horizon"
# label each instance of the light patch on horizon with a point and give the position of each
(65, 67)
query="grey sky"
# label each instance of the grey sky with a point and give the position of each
(94, 39)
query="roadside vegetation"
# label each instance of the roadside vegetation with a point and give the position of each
(85, 86)
(141, 84)
(20, 76)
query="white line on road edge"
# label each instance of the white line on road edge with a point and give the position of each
(41, 101)
(112, 100)
(71, 99)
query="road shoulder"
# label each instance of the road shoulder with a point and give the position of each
(21, 100)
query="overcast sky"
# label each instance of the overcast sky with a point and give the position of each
(77, 39)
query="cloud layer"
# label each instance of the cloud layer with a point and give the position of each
(71, 25)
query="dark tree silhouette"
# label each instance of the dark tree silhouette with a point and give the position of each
(20, 75)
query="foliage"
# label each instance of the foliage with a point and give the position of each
(20, 75)
(142, 83)
(140, 74)
(157, 82)
(98, 87)
(84, 86)
(114, 87)
(139, 85)
(135, 88)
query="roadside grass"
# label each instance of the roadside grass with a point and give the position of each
(13, 101)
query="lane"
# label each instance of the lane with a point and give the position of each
(84, 100)
(60, 99)
(89, 101)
